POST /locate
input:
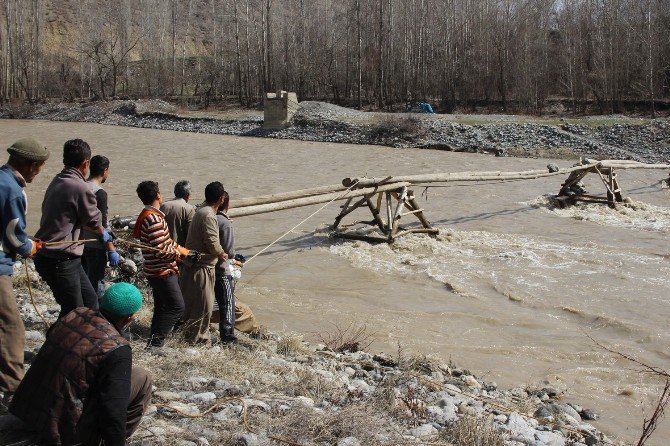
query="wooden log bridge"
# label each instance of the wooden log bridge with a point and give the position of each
(387, 208)
(390, 199)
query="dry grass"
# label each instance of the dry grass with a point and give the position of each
(398, 396)
(396, 126)
(421, 363)
(315, 386)
(470, 431)
(291, 344)
(522, 405)
(306, 427)
(350, 338)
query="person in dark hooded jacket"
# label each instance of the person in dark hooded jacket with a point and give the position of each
(82, 387)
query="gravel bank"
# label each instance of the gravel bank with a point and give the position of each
(316, 121)
(286, 391)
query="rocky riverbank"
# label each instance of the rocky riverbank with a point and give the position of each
(287, 391)
(503, 135)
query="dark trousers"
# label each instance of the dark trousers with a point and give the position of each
(94, 262)
(140, 397)
(224, 292)
(168, 307)
(68, 282)
(12, 338)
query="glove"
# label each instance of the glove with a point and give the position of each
(106, 236)
(193, 256)
(113, 258)
(37, 245)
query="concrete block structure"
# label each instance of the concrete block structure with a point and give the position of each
(279, 109)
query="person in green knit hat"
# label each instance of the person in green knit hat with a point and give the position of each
(86, 347)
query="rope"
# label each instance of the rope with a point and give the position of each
(245, 419)
(212, 408)
(70, 242)
(117, 240)
(339, 197)
(32, 298)
(140, 245)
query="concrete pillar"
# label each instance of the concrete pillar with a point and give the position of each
(279, 109)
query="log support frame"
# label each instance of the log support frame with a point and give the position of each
(388, 209)
(566, 196)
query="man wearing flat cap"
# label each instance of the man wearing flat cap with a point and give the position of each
(26, 158)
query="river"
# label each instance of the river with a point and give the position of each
(511, 289)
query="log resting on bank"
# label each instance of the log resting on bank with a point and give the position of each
(311, 200)
(498, 175)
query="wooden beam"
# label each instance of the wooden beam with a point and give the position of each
(402, 199)
(431, 231)
(422, 218)
(365, 238)
(389, 216)
(348, 210)
(416, 211)
(274, 198)
(375, 214)
(496, 175)
(308, 201)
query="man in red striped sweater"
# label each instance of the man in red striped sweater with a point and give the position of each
(160, 263)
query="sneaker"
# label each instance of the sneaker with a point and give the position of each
(229, 340)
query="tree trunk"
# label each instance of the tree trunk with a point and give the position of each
(248, 80)
(380, 62)
(183, 50)
(269, 81)
(237, 54)
(359, 41)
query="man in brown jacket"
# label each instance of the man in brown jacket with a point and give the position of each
(82, 387)
(69, 205)
(198, 277)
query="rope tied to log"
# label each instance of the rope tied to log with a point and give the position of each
(339, 197)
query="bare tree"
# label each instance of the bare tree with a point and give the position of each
(602, 55)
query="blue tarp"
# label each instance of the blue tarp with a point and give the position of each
(419, 107)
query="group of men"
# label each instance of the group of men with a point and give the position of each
(188, 256)
(81, 387)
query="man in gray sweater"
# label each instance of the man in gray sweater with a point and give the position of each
(179, 212)
(69, 205)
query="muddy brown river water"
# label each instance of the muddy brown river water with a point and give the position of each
(510, 289)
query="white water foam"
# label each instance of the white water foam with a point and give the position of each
(520, 267)
(630, 214)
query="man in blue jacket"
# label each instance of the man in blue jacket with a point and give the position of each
(26, 158)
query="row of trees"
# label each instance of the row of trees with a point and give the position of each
(359, 52)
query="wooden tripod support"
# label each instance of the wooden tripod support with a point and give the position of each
(568, 196)
(387, 209)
